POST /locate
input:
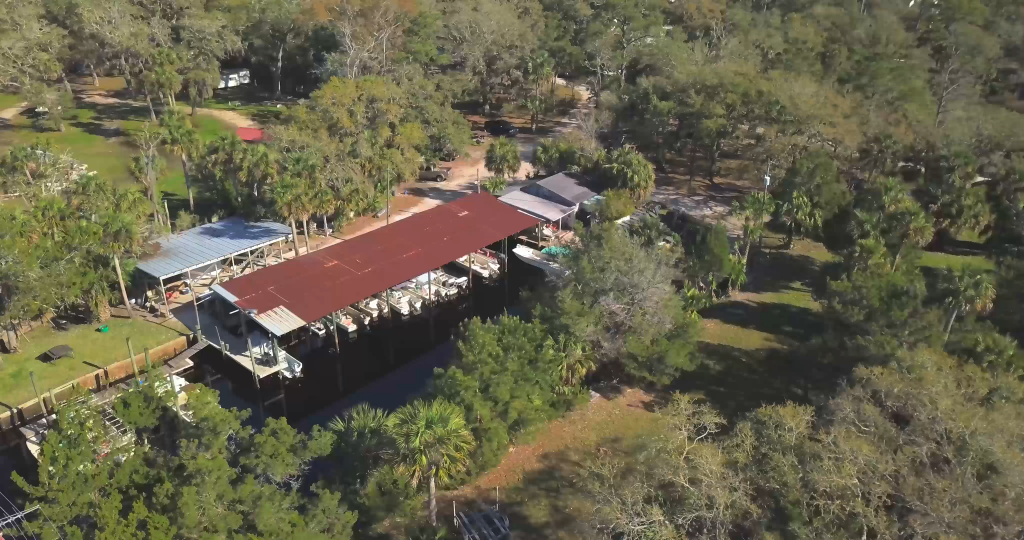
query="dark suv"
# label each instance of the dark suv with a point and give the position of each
(501, 128)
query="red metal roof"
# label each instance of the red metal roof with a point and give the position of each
(315, 284)
(249, 134)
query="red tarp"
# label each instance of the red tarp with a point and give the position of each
(315, 284)
(248, 134)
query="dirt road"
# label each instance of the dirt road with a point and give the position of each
(233, 118)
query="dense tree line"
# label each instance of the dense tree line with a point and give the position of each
(72, 243)
(924, 447)
(880, 126)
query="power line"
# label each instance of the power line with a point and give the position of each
(7, 519)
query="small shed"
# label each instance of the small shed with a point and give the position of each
(564, 188)
(555, 199)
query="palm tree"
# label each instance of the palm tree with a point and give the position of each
(91, 195)
(432, 440)
(50, 212)
(147, 165)
(324, 202)
(183, 140)
(121, 236)
(796, 212)
(966, 291)
(537, 69)
(576, 364)
(502, 157)
(753, 209)
(362, 436)
(287, 195)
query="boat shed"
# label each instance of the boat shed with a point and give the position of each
(208, 246)
(536, 206)
(555, 199)
(300, 291)
(564, 188)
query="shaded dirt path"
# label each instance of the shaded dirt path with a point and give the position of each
(11, 112)
(233, 118)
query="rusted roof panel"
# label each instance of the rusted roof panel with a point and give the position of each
(315, 284)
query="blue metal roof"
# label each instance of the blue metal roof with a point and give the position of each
(180, 252)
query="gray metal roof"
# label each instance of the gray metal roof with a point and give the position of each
(567, 185)
(535, 206)
(187, 250)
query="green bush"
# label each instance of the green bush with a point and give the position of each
(508, 378)
(617, 204)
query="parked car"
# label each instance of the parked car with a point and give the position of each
(433, 173)
(501, 128)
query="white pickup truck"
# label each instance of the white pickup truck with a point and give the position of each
(435, 174)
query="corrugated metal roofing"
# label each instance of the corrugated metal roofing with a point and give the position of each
(209, 243)
(566, 185)
(312, 286)
(535, 206)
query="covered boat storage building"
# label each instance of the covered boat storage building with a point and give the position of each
(204, 250)
(290, 295)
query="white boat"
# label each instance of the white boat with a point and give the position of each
(478, 264)
(451, 282)
(425, 288)
(369, 307)
(416, 299)
(293, 369)
(359, 317)
(317, 328)
(346, 322)
(540, 260)
(398, 301)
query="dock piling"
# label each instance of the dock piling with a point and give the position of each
(131, 352)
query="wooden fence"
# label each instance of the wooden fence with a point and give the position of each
(99, 379)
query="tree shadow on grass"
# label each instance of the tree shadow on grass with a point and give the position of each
(775, 271)
(116, 112)
(99, 129)
(548, 503)
(737, 380)
(796, 323)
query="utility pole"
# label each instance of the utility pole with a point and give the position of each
(387, 207)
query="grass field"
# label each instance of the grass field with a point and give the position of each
(932, 259)
(93, 350)
(100, 136)
(536, 483)
(9, 100)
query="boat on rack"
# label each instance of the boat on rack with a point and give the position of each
(425, 288)
(540, 260)
(345, 323)
(317, 328)
(414, 299)
(397, 301)
(480, 264)
(359, 317)
(369, 306)
(438, 283)
(417, 298)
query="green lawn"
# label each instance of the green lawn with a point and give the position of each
(99, 136)
(93, 350)
(931, 259)
(9, 100)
